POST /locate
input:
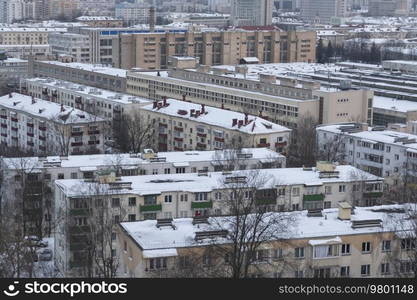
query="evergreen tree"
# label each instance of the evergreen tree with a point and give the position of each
(320, 52)
(375, 55)
(329, 52)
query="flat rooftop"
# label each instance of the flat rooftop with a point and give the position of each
(193, 183)
(149, 237)
(97, 68)
(394, 104)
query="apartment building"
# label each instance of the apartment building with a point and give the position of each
(385, 153)
(183, 195)
(251, 13)
(182, 125)
(134, 13)
(335, 244)
(12, 71)
(94, 75)
(281, 98)
(43, 171)
(73, 45)
(27, 35)
(213, 47)
(101, 40)
(40, 52)
(43, 127)
(323, 11)
(105, 104)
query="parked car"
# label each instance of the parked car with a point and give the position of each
(45, 255)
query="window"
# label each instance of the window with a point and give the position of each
(184, 262)
(116, 219)
(344, 271)
(184, 198)
(299, 274)
(342, 188)
(386, 246)
(408, 244)
(345, 249)
(322, 273)
(327, 190)
(296, 191)
(218, 196)
(61, 176)
(168, 215)
(296, 206)
(385, 268)
(167, 171)
(277, 253)
(158, 263)
(132, 217)
(397, 157)
(260, 255)
(299, 252)
(326, 251)
(115, 202)
(179, 170)
(366, 247)
(365, 270)
(327, 204)
(74, 175)
(406, 267)
(206, 260)
(113, 236)
(168, 198)
(201, 197)
(132, 201)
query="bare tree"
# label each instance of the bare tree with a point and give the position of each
(332, 149)
(133, 133)
(302, 150)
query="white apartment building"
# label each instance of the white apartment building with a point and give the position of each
(251, 13)
(385, 153)
(183, 125)
(323, 11)
(41, 52)
(73, 45)
(43, 127)
(12, 71)
(333, 245)
(132, 13)
(43, 171)
(265, 88)
(102, 103)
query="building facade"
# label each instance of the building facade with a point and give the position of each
(323, 11)
(213, 47)
(251, 13)
(43, 127)
(72, 45)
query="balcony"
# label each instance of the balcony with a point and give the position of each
(178, 149)
(30, 134)
(14, 138)
(92, 132)
(14, 119)
(218, 139)
(30, 144)
(163, 125)
(3, 125)
(263, 145)
(178, 139)
(164, 135)
(42, 138)
(42, 128)
(201, 145)
(4, 134)
(76, 144)
(14, 129)
(76, 133)
(373, 194)
(205, 204)
(30, 125)
(281, 144)
(3, 117)
(93, 142)
(203, 135)
(42, 148)
(266, 201)
(146, 208)
(79, 229)
(79, 212)
(313, 197)
(178, 129)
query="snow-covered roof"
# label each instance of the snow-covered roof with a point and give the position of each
(335, 240)
(193, 183)
(32, 29)
(97, 68)
(46, 109)
(94, 161)
(394, 104)
(88, 91)
(329, 226)
(377, 136)
(217, 117)
(97, 18)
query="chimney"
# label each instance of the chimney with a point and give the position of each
(234, 122)
(10, 95)
(165, 101)
(62, 107)
(222, 105)
(345, 211)
(203, 109)
(192, 111)
(260, 113)
(33, 100)
(240, 123)
(15, 103)
(152, 19)
(155, 104)
(246, 119)
(184, 97)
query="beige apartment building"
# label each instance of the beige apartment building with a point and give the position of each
(181, 125)
(215, 47)
(27, 35)
(341, 242)
(256, 89)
